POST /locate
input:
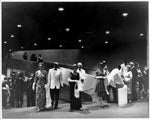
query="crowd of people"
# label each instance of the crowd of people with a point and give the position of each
(129, 74)
(42, 88)
(33, 57)
(15, 87)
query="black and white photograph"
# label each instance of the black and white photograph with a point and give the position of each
(74, 59)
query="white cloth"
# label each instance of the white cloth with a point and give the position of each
(128, 76)
(122, 96)
(2, 78)
(55, 78)
(115, 77)
(76, 92)
(80, 85)
(123, 69)
(48, 97)
(82, 74)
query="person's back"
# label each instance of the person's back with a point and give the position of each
(40, 59)
(25, 56)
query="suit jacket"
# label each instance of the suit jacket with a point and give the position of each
(55, 78)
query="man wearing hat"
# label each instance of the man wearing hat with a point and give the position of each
(55, 83)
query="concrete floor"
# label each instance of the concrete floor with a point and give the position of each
(132, 110)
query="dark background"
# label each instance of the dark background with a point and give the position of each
(87, 21)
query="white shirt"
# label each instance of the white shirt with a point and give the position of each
(82, 74)
(123, 69)
(128, 76)
(55, 78)
(115, 77)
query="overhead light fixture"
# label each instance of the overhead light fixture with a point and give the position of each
(35, 44)
(82, 47)
(80, 41)
(60, 46)
(19, 26)
(12, 36)
(61, 9)
(141, 34)
(107, 32)
(125, 14)
(106, 42)
(49, 38)
(21, 47)
(67, 29)
(5, 42)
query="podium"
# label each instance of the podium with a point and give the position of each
(122, 96)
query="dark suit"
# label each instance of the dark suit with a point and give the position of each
(134, 81)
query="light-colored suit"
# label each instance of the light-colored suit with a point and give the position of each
(55, 78)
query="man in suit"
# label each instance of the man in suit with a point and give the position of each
(55, 83)
(134, 81)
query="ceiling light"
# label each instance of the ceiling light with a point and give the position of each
(35, 44)
(5, 42)
(67, 29)
(82, 46)
(49, 38)
(107, 32)
(124, 14)
(141, 34)
(21, 47)
(80, 41)
(60, 45)
(61, 9)
(19, 26)
(12, 36)
(106, 42)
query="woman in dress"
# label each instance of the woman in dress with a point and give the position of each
(75, 100)
(40, 81)
(101, 88)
